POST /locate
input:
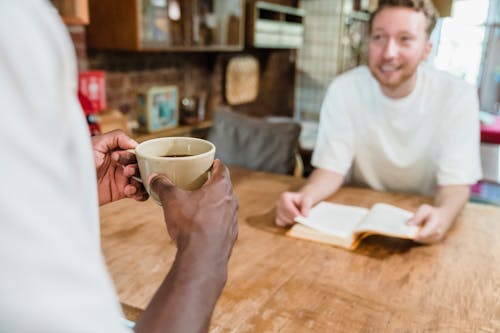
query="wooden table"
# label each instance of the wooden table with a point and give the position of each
(280, 284)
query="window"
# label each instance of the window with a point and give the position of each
(459, 39)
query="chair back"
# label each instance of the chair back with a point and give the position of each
(255, 143)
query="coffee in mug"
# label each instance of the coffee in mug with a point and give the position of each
(185, 161)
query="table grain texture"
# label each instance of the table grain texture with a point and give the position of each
(281, 284)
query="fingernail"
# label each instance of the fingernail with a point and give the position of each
(131, 191)
(151, 176)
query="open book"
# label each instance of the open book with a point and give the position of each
(346, 226)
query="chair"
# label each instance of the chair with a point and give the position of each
(257, 144)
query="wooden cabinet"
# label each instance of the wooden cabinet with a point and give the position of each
(174, 25)
(275, 26)
(73, 12)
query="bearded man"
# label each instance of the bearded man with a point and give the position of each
(396, 125)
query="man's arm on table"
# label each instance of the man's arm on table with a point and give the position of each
(436, 220)
(320, 185)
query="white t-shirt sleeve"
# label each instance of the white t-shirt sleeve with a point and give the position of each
(458, 162)
(334, 150)
(53, 277)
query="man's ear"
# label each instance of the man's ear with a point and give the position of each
(427, 50)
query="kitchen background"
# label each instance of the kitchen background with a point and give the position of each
(297, 47)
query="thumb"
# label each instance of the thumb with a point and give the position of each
(305, 206)
(420, 216)
(160, 184)
(218, 172)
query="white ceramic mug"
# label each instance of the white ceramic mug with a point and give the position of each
(185, 161)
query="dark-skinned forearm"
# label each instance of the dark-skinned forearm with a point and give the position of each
(186, 298)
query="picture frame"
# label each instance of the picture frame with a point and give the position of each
(158, 108)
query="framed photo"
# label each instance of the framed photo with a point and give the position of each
(158, 108)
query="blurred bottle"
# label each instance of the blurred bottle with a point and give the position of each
(189, 110)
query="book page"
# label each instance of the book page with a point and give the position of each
(335, 219)
(388, 220)
(304, 232)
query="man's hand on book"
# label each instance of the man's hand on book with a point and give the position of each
(291, 205)
(433, 222)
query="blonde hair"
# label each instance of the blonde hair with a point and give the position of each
(424, 6)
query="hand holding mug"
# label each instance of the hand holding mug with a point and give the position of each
(206, 217)
(203, 223)
(185, 161)
(115, 168)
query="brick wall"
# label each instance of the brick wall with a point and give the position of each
(194, 73)
(127, 72)
(276, 84)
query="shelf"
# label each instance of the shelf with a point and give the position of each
(360, 16)
(275, 26)
(174, 25)
(213, 48)
(184, 130)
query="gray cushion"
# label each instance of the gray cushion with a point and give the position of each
(254, 143)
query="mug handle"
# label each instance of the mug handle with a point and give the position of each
(132, 150)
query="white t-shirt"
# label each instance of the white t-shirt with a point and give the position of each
(53, 277)
(412, 144)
